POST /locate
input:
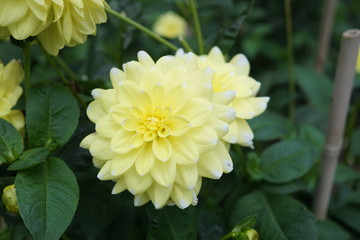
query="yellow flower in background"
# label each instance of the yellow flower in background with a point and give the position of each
(55, 23)
(11, 76)
(170, 25)
(358, 62)
(157, 131)
(9, 199)
(234, 76)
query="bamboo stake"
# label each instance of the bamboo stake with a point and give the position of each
(344, 77)
(325, 34)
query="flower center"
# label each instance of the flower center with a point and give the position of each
(154, 124)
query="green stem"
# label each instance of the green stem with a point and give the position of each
(141, 28)
(197, 27)
(26, 59)
(65, 67)
(291, 62)
(52, 61)
(185, 44)
(229, 235)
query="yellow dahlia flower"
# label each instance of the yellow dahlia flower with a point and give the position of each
(234, 76)
(157, 131)
(10, 200)
(11, 76)
(170, 25)
(56, 23)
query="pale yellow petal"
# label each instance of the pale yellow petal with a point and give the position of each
(135, 183)
(162, 149)
(181, 197)
(159, 195)
(107, 127)
(145, 160)
(209, 165)
(204, 137)
(186, 176)
(164, 173)
(119, 187)
(185, 151)
(100, 148)
(120, 142)
(122, 163)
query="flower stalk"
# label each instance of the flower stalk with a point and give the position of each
(124, 18)
(26, 58)
(197, 27)
(291, 62)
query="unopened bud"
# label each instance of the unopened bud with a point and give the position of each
(10, 200)
(252, 234)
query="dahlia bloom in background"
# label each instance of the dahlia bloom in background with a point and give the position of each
(11, 76)
(170, 25)
(157, 131)
(54, 23)
(234, 76)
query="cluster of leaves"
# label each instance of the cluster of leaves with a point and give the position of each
(56, 182)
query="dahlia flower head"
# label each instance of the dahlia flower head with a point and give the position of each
(55, 23)
(11, 75)
(170, 25)
(159, 130)
(234, 76)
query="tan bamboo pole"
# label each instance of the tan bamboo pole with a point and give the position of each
(344, 77)
(325, 34)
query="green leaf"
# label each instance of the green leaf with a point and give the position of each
(355, 142)
(10, 142)
(30, 158)
(328, 230)
(287, 160)
(48, 195)
(228, 36)
(269, 126)
(317, 87)
(278, 217)
(52, 115)
(348, 211)
(209, 224)
(345, 174)
(172, 223)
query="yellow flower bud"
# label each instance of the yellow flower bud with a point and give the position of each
(10, 200)
(252, 234)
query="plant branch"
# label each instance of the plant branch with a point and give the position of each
(26, 59)
(197, 26)
(52, 61)
(291, 62)
(124, 18)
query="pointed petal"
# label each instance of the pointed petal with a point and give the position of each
(159, 195)
(210, 166)
(145, 160)
(204, 137)
(135, 183)
(119, 187)
(181, 197)
(164, 173)
(122, 163)
(100, 148)
(186, 176)
(120, 143)
(162, 148)
(185, 151)
(107, 127)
